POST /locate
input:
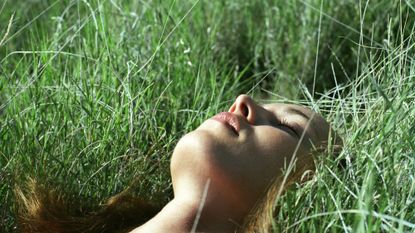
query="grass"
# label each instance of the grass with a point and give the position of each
(95, 94)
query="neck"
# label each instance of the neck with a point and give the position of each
(181, 215)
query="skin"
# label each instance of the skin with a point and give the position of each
(229, 173)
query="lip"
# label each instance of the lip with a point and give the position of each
(229, 119)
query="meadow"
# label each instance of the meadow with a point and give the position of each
(94, 94)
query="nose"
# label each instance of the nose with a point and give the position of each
(245, 106)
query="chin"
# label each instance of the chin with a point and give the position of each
(198, 151)
(195, 143)
(195, 159)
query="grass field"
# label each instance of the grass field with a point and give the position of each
(94, 94)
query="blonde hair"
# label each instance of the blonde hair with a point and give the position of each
(42, 209)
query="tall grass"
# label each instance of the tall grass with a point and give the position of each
(95, 94)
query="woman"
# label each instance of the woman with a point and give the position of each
(226, 174)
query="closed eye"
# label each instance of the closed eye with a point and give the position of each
(285, 124)
(291, 128)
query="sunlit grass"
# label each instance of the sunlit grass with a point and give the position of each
(95, 94)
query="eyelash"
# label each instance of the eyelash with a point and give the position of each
(284, 122)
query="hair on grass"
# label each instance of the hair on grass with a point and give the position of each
(41, 209)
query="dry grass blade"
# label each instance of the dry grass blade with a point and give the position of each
(7, 30)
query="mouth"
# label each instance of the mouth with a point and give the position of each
(230, 121)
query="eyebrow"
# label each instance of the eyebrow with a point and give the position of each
(294, 112)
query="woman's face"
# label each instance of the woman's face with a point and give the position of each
(242, 150)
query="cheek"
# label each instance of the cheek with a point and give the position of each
(272, 152)
(274, 143)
